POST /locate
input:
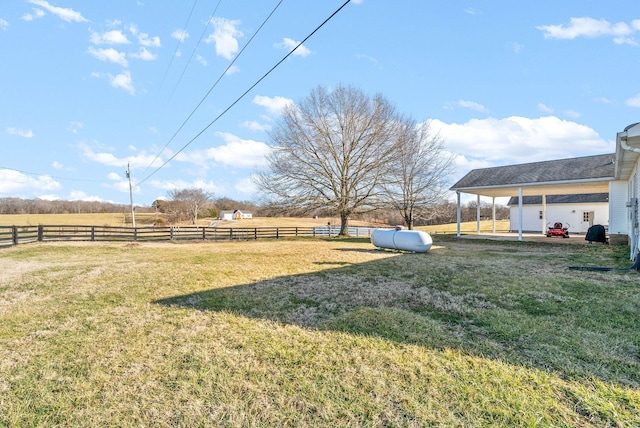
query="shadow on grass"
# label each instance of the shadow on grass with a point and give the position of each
(504, 305)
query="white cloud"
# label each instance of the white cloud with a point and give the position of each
(290, 44)
(225, 36)
(114, 177)
(75, 127)
(25, 133)
(591, 27)
(109, 55)
(68, 15)
(246, 186)
(57, 165)
(180, 35)
(519, 139)
(232, 70)
(201, 60)
(49, 197)
(139, 161)
(238, 152)
(634, 101)
(603, 100)
(144, 55)
(79, 195)
(274, 105)
(123, 81)
(545, 108)
(113, 37)
(4, 25)
(572, 114)
(255, 125)
(144, 39)
(14, 183)
(37, 13)
(207, 186)
(472, 105)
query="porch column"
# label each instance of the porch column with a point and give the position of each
(493, 214)
(544, 214)
(519, 213)
(458, 214)
(478, 216)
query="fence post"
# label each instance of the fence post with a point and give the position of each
(93, 233)
(255, 233)
(231, 233)
(204, 233)
(40, 232)
(14, 234)
(135, 233)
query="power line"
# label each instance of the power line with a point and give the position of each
(178, 43)
(204, 31)
(215, 84)
(243, 94)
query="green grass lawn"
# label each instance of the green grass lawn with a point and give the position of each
(318, 333)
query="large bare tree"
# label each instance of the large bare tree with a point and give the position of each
(330, 151)
(417, 179)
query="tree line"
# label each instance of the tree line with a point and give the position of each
(440, 213)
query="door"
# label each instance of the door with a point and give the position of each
(587, 221)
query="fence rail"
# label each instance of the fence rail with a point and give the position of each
(14, 235)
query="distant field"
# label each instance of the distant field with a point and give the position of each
(119, 219)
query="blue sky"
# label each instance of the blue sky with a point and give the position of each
(89, 87)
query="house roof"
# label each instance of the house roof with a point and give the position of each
(562, 199)
(588, 174)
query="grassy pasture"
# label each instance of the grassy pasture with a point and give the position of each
(318, 333)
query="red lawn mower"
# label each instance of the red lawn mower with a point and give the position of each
(558, 229)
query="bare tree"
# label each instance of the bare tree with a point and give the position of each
(330, 152)
(418, 177)
(189, 202)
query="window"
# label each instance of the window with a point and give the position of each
(540, 215)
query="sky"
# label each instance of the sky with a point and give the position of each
(185, 92)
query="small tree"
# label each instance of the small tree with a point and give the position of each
(417, 179)
(189, 202)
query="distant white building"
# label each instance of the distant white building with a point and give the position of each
(577, 212)
(235, 215)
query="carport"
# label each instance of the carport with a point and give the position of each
(573, 176)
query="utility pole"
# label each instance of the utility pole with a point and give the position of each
(133, 214)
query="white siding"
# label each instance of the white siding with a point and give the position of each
(618, 212)
(570, 214)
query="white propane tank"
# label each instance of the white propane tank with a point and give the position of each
(398, 239)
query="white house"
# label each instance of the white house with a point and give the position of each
(577, 212)
(545, 180)
(617, 174)
(235, 215)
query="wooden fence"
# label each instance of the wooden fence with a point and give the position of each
(14, 235)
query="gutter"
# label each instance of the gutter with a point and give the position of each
(635, 239)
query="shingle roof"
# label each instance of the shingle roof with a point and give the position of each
(582, 168)
(561, 199)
